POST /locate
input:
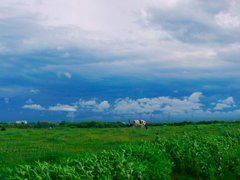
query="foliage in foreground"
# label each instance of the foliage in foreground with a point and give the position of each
(144, 161)
(188, 156)
(205, 157)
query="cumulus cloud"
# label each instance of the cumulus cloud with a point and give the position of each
(34, 106)
(225, 103)
(162, 104)
(104, 105)
(158, 104)
(89, 103)
(129, 106)
(60, 107)
(229, 100)
(162, 107)
(195, 97)
(94, 106)
(220, 106)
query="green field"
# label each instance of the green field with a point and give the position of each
(55, 146)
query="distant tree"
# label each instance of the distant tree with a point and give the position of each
(62, 123)
(45, 124)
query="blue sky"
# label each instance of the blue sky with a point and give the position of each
(110, 60)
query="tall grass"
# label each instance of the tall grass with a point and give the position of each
(205, 157)
(135, 161)
(181, 152)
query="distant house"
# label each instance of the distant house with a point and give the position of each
(21, 122)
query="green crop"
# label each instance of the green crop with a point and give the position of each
(135, 161)
(190, 153)
(208, 157)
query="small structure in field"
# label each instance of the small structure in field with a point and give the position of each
(21, 122)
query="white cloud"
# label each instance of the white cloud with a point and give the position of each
(225, 103)
(34, 106)
(229, 100)
(117, 31)
(104, 105)
(60, 107)
(153, 40)
(162, 108)
(127, 106)
(84, 103)
(29, 101)
(34, 91)
(94, 106)
(195, 97)
(66, 74)
(90, 103)
(229, 18)
(159, 104)
(220, 106)
(6, 100)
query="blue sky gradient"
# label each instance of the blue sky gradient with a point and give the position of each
(113, 60)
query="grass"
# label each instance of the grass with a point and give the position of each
(20, 146)
(25, 146)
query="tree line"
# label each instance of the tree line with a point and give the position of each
(97, 124)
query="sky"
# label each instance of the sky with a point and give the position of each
(115, 61)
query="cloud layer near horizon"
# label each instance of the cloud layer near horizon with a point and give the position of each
(160, 107)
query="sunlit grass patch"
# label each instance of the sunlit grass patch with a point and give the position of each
(123, 139)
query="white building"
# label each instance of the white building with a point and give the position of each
(21, 122)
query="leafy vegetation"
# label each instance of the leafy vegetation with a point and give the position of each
(176, 152)
(205, 157)
(142, 161)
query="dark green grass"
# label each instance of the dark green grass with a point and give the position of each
(188, 155)
(25, 146)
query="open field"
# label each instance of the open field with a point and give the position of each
(25, 146)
